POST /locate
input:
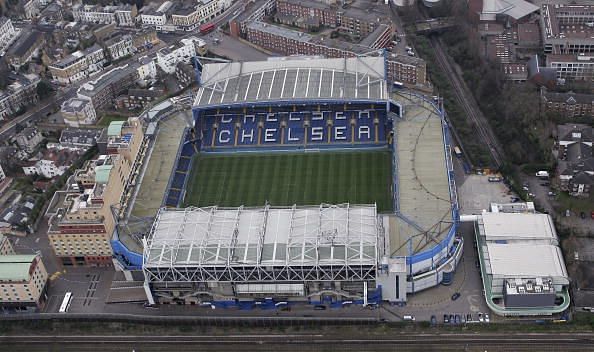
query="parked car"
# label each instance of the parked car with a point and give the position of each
(433, 320)
(408, 318)
(462, 319)
(452, 319)
(457, 319)
(319, 307)
(582, 215)
(468, 317)
(552, 194)
(480, 317)
(455, 296)
(487, 318)
(446, 319)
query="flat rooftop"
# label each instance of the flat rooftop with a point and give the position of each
(518, 226)
(526, 261)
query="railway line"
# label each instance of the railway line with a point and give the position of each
(467, 102)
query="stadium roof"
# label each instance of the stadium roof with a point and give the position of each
(296, 78)
(324, 235)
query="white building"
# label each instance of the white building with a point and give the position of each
(183, 51)
(93, 14)
(147, 70)
(153, 18)
(77, 112)
(8, 34)
(189, 18)
(31, 9)
(522, 266)
(126, 16)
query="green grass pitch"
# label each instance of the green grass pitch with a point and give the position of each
(284, 179)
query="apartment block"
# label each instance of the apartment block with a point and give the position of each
(20, 93)
(25, 48)
(253, 11)
(569, 104)
(23, 282)
(77, 112)
(187, 16)
(81, 230)
(8, 33)
(182, 51)
(28, 139)
(78, 65)
(402, 68)
(124, 15)
(120, 46)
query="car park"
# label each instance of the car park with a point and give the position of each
(455, 296)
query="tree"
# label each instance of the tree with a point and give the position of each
(44, 89)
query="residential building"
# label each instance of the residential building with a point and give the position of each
(30, 9)
(17, 213)
(78, 65)
(23, 282)
(105, 88)
(120, 46)
(182, 51)
(81, 230)
(185, 74)
(516, 72)
(156, 18)
(77, 111)
(188, 16)
(5, 246)
(123, 15)
(139, 98)
(254, 10)
(51, 163)
(147, 69)
(78, 138)
(567, 28)
(126, 15)
(93, 14)
(28, 139)
(8, 33)
(569, 104)
(572, 67)
(20, 93)
(25, 48)
(406, 69)
(576, 161)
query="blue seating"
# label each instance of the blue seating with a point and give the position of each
(297, 132)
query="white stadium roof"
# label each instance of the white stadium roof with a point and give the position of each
(518, 226)
(218, 237)
(298, 78)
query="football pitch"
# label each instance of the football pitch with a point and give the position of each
(284, 179)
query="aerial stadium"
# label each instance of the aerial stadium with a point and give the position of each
(305, 179)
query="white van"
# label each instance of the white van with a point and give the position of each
(543, 174)
(408, 318)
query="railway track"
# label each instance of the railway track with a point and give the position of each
(467, 102)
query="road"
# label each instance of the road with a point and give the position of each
(305, 341)
(469, 104)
